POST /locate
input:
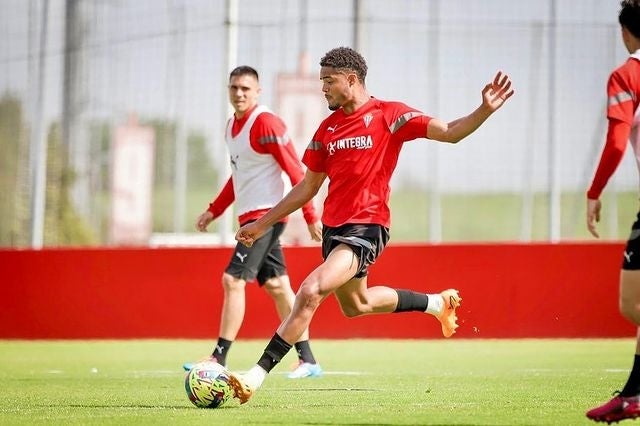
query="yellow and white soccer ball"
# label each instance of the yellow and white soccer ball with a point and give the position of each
(207, 385)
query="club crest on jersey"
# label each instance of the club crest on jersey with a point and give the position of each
(367, 119)
(357, 142)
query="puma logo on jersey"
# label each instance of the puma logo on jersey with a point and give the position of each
(627, 255)
(241, 256)
(233, 160)
(332, 128)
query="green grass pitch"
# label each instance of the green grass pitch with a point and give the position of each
(367, 382)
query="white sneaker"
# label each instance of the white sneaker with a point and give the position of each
(306, 369)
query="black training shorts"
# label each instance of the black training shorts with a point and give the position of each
(631, 259)
(366, 240)
(262, 261)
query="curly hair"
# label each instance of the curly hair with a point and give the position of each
(243, 70)
(630, 16)
(345, 58)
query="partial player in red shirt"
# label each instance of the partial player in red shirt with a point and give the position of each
(357, 148)
(259, 151)
(623, 98)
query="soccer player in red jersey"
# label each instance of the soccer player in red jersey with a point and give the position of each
(260, 150)
(623, 92)
(357, 149)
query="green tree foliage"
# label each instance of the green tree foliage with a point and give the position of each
(13, 143)
(63, 226)
(100, 137)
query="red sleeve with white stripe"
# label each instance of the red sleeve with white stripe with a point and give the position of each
(269, 136)
(620, 112)
(223, 200)
(415, 123)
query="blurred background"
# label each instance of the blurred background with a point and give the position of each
(112, 113)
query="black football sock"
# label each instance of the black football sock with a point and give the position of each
(411, 301)
(304, 352)
(276, 349)
(221, 350)
(633, 383)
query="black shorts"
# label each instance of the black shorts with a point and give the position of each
(366, 240)
(631, 259)
(262, 261)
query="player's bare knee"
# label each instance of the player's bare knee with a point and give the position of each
(309, 294)
(272, 285)
(231, 283)
(277, 287)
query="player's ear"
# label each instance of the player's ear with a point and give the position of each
(352, 78)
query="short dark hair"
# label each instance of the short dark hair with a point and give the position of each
(243, 70)
(346, 58)
(630, 16)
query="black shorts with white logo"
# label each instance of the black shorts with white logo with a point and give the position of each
(366, 240)
(262, 261)
(631, 260)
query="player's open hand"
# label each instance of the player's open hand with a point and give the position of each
(248, 234)
(315, 230)
(593, 216)
(496, 93)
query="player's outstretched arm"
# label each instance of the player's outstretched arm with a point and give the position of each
(494, 95)
(300, 194)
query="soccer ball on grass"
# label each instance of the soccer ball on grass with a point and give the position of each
(207, 385)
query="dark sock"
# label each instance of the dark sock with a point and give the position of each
(304, 352)
(411, 301)
(221, 350)
(633, 383)
(273, 353)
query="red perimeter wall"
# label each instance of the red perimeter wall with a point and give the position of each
(509, 290)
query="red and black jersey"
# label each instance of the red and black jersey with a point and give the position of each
(359, 153)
